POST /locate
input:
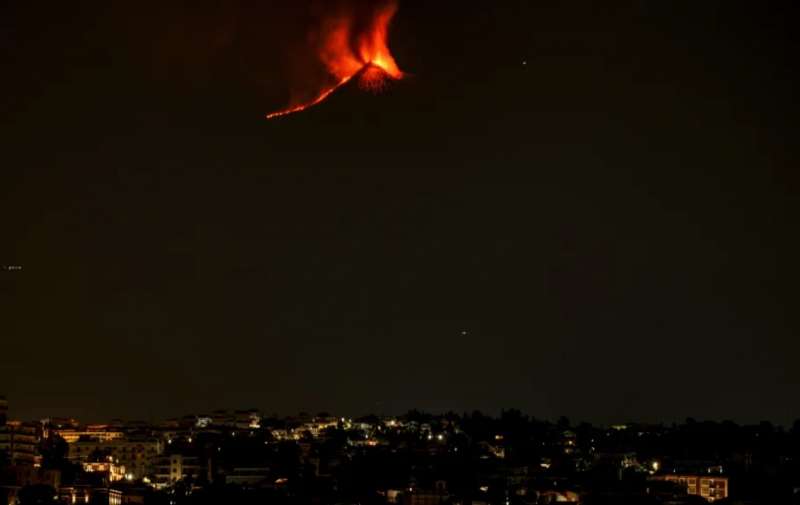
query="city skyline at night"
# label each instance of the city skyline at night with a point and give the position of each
(580, 210)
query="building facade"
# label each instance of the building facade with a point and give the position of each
(138, 455)
(90, 495)
(174, 468)
(99, 433)
(20, 442)
(108, 470)
(710, 487)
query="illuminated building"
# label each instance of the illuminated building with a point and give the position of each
(74, 494)
(316, 426)
(223, 418)
(98, 432)
(21, 442)
(710, 487)
(203, 422)
(176, 467)
(137, 455)
(89, 494)
(112, 471)
(247, 419)
(284, 435)
(389, 423)
(619, 459)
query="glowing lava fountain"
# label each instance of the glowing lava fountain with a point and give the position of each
(353, 50)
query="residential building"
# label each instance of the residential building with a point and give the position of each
(96, 432)
(710, 487)
(20, 441)
(110, 471)
(137, 454)
(248, 476)
(173, 468)
(88, 494)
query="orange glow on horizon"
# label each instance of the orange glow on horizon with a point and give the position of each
(346, 54)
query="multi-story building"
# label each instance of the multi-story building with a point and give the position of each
(109, 471)
(96, 432)
(88, 494)
(316, 426)
(710, 487)
(248, 476)
(223, 418)
(3, 410)
(137, 454)
(173, 468)
(21, 441)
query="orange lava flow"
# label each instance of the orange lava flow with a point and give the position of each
(300, 108)
(346, 52)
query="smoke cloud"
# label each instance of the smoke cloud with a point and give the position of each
(260, 56)
(344, 39)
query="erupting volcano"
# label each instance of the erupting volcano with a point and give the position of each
(352, 49)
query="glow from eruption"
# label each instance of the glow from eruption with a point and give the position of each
(347, 50)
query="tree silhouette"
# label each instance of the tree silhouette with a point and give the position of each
(36, 495)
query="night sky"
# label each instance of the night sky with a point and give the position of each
(571, 208)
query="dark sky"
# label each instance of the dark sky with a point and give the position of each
(608, 232)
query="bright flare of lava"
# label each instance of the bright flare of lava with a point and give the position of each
(348, 51)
